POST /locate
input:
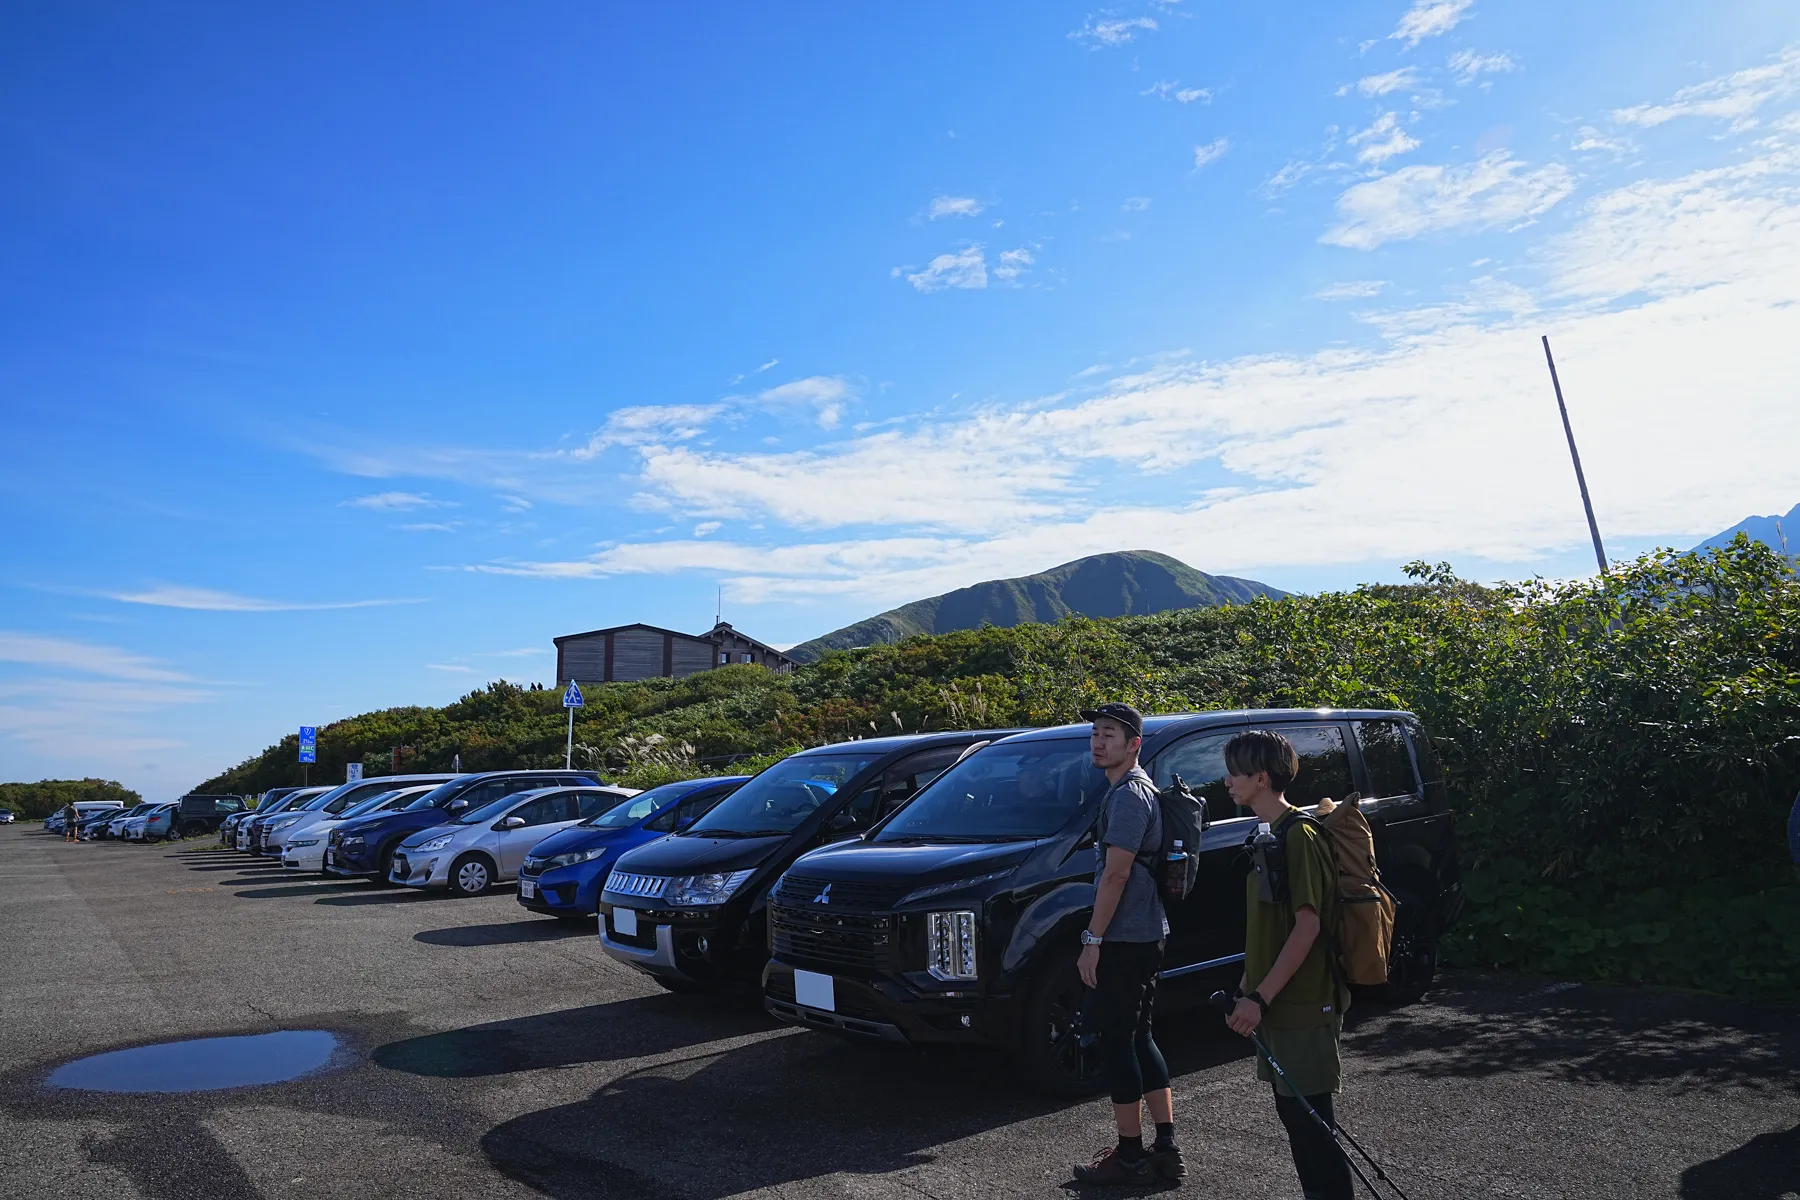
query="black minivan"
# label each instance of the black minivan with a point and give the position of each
(957, 918)
(688, 909)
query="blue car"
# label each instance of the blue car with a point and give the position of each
(561, 876)
(365, 846)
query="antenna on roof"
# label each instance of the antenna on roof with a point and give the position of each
(719, 607)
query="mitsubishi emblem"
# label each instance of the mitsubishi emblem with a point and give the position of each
(823, 897)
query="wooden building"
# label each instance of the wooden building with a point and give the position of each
(628, 652)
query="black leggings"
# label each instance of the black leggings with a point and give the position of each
(1324, 1173)
(1120, 1010)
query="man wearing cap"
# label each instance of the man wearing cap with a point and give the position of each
(1121, 953)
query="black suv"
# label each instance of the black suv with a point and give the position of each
(688, 909)
(957, 918)
(197, 814)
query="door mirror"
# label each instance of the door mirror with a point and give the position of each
(512, 823)
(456, 805)
(842, 822)
(686, 822)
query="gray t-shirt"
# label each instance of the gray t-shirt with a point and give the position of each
(1131, 819)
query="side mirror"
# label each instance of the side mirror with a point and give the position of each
(841, 822)
(686, 822)
(512, 823)
(456, 805)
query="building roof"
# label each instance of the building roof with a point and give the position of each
(726, 625)
(708, 636)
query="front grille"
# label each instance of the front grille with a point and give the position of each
(531, 868)
(818, 936)
(650, 886)
(805, 891)
(781, 988)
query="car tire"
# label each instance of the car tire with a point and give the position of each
(1412, 962)
(1053, 1055)
(471, 875)
(386, 868)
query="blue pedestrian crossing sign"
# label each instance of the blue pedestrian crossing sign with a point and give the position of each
(309, 743)
(572, 697)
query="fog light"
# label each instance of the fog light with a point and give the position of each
(966, 1022)
(702, 945)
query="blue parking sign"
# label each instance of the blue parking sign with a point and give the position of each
(309, 743)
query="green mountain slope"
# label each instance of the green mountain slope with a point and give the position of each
(1127, 583)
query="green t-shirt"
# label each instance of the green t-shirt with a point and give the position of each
(1311, 996)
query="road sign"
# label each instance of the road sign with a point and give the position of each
(572, 697)
(309, 743)
(571, 701)
(352, 772)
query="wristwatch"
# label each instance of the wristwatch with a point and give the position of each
(1089, 938)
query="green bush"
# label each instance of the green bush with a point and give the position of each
(34, 801)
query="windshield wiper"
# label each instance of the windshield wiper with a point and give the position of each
(736, 833)
(933, 838)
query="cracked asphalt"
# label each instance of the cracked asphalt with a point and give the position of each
(489, 1052)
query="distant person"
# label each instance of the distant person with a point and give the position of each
(70, 816)
(1289, 989)
(1121, 952)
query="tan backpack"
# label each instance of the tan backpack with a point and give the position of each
(1364, 933)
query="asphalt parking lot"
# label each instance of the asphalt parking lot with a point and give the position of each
(489, 1052)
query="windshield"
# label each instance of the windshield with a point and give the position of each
(438, 796)
(783, 796)
(371, 804)
(630, 812)
(1006, 792)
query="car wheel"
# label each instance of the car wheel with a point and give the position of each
(471, 875)
(1056, 1055)
(387, 866)
(1412, 962)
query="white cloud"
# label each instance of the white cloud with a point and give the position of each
(1470, 66)
(706, 527)
(1172, 90)
(1735, 97)
(826, 395)
(642, 424)
(1491, 192)
(521, 652)
(201, 599)
(1106, 30)
(771, 363)
(965, 268)
(86, 658)
(1211, 152)
(451, 667)
(1591, 141)
(1382, 140)
(1381, 85)
(954, 206)
(1355, 289)
(1430, 18)
(1013, 263)
(1135, 203)
(429, 527)
(1292, 172)
(393, 501)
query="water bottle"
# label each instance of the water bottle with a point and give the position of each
(1265, 859)
(1175, 872)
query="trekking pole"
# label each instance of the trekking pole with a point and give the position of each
(1332, 1129)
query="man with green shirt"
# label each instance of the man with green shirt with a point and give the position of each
(1288, 991)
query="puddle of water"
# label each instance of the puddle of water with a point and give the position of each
(201, 1064)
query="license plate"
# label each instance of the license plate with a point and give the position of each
(527, 889)
(815, 991)
(625, 921)
(400, 867)
(331, 858)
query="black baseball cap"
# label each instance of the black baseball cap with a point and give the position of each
(1124, 714)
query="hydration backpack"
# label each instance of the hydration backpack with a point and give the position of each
(1183, 820)
(1361, 935)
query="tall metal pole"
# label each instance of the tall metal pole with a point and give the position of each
(1575, 455)
(569, 750)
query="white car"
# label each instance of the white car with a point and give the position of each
(295, 821)
(486, 845)
(304, 849)
(115, 828)
(156, 823)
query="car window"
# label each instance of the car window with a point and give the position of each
(1387, 759)
(1324, 764)
(690, 809)
(543, 810)
(486, 803)
(783, 796)
(908, 777)
(1006, 791)
(591, 803)
(1200, 761)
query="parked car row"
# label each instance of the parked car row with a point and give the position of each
(921, 889)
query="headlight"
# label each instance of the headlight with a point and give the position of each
(693, 890)
(950, 945)
(436, 843)
(567, 860)
(281, 823)
(303, 842)
(351, 839)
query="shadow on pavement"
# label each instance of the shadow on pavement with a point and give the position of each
(1588, 1034)
(297, 889)
(1764, 1168)
(377, 895)
(801, 1106)
(621, 1029)
(508, 934)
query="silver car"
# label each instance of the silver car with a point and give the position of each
(486, 845)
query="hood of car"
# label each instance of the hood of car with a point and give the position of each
(577, 838)
(413, 841)
(913, 865)
(695, 855)
(378, 823)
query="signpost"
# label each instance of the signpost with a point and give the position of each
(571, 701)
(353, 772)
(309, 749)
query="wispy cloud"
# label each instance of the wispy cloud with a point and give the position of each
(1735, 97)
(1430, 18)
(209, 600)
(1382, 140)
(1135, 203)
(1013, 264)
(1491, 192)
(453, 668)
(1355, 289)
(393, 501)
(85, 658)
(965, 268)
(1589, 140)
(953, 206)
(1381, 85)
(1172, 90)
(1470, 66)
(826, 395)
(429, 527)
(1107, 30)
(521, 652)
(1211, 152)
(643, 424)
(1291, 172)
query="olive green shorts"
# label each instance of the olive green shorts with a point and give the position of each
(1309, 1056)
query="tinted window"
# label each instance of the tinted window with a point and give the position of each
(783, 796)
(1324, 764)
(1005, 791)
(488, 802)
(544, 809)
(1200, 761)
(1390, 766)
(592, 804)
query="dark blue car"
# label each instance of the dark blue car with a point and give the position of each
(366, 845)
(562, 874)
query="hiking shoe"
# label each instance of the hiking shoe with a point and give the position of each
(1168, 1162)
(1108, 1167)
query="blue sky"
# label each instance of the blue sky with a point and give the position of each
(347, 357)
